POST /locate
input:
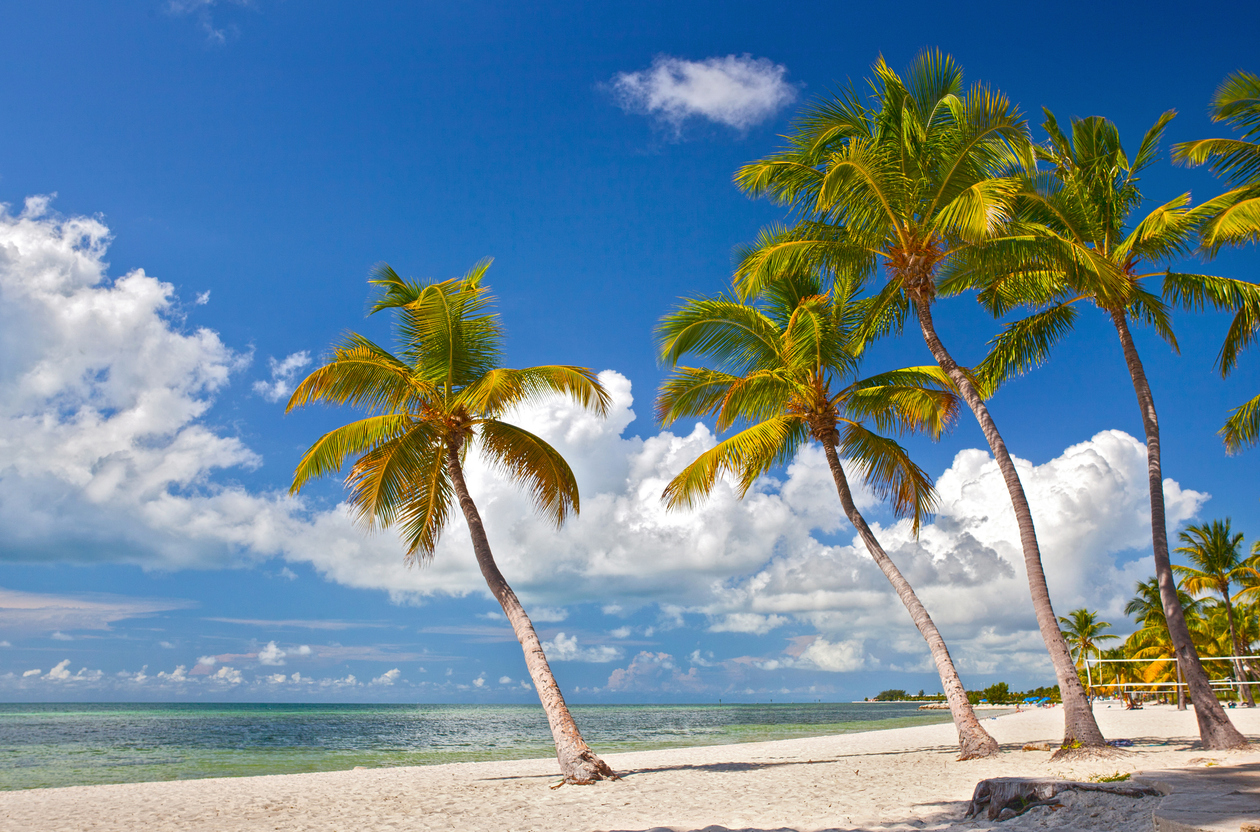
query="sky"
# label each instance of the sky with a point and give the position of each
(196, 191)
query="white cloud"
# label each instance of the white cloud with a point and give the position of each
(480, 681)
(737, 91)
(837, 657)
(31, 611)
(549, 615)
(216, 35)
(60, 636)
(202, 298)
(60, 672)
(505, 680)
(283, 378)
(747, 622)
(179, 675)
(271, 655)
(388, 677)
(34, 672)
(227, 675)
(654, 672)
(565, 649)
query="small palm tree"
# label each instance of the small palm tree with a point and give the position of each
(787, 371)
(908, 180)
(1084, 631)
(1075, 243)
(441, 396)
(1234, 220)
(1215, 552)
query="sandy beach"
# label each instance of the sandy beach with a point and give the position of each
(904, 778)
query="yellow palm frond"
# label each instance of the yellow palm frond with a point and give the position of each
(523, 457)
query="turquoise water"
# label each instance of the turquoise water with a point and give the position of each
(45, 745)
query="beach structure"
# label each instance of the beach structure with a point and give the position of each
(438, 399)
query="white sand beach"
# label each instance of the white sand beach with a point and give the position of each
(905, 778)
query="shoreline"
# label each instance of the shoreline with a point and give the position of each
(895, 778)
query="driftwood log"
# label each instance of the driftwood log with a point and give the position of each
(1002, 798)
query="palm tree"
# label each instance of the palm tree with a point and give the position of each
(907, 181)
(440, 396)
(1215, 552)
(787, 369)
(1234, 221)
(1074, 243)
(1153, 641)
(1083, 631)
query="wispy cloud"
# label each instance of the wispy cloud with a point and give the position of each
(310, 624)
(736, 91)
(35, 611)
(283, 374)
(201, 11)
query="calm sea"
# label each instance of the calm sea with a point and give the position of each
(64, 745)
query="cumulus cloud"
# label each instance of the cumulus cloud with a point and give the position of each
(388, 677)
(271, 655)
(736, 91)
(283, 379)
(565, 649)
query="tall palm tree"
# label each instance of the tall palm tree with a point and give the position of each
(787, 371)
(1084, 631)
(1074, 243)
(906, 181)
(428, 406)
(1234, 221)
(1215, 552)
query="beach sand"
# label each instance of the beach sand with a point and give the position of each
(905, 778)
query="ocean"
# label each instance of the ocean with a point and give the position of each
(43, 745)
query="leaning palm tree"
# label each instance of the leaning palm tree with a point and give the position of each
(1083, 631)
(787, 369)
(1075, 243)
(1234, 221)
(443, 394)
(1214, 551)
(906, 181)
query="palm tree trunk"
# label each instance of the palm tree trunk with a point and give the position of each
(1215, 730)
(578, 763)
(1242, 676)
(973, 740)
(1080, 729)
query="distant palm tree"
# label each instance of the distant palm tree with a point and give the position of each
(1215, 552)
(1077, 242)
(787, 370)
(907, 181)
(1234, 221)
(1083, 631)
(441, 396)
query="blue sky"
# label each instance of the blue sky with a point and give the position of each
(226, 173)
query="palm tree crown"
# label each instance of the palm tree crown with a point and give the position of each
(1084, 631)
(786, 371)
(444, 391)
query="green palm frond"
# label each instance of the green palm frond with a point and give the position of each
(724, 330)
(1199, 291)
(692, 391)
(896, 409)
(502, 389)
(1166, 232)
(888, 471)
(330, 451)
(978, 212)
(1150, 310)
(1242, 429)
(427, 505)
(745, 456)
(523, 457)
(1024, 345)
(381, 480)
(361, 374)
(1234, 219)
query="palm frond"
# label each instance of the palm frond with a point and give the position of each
(1242, 428)
(329, 453)
(361, 374)
(1024, 345)
(523, 457)
(887, 470)
(503, 388)
(746, 456)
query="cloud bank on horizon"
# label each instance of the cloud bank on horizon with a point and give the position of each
(106, 457)
(737, 91)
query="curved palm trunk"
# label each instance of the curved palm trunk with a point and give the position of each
(973, 740)
(578, 763)
(1080, 728)
(1215, 729)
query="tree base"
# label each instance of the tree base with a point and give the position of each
(1002, 798)
(586, 770)
(978, 749)
(1087, 752)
